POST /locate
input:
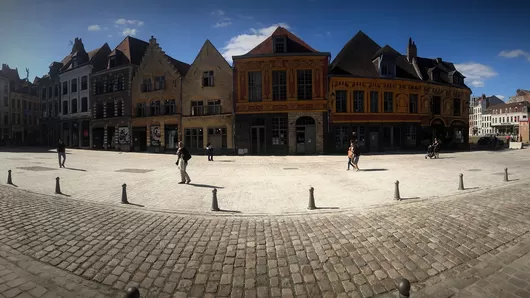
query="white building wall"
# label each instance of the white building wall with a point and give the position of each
(77, 73)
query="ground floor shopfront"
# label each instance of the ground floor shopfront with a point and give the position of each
(280, 133)
(75, 133)
(155, 134)
(399, 136)
(111, 134)
(215, 129)
(50, 132)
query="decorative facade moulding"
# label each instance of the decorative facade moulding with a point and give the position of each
(280, 63)
(285, 106)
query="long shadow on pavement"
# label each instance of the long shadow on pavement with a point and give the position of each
(74, 169)
(205, 185)
(372, 170)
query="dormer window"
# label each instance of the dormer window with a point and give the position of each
(280, 45)
(74, 62)
(435, 75)
(388, 69)
(112, 61)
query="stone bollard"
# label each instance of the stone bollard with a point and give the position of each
(396, 191)
(132, 292)
(506, 175)
(215, 205)
(9, 181)
(57, 186)
(461, 182)
(311, 199)
(403, 288)
(124, 194)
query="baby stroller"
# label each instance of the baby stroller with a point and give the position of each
(432, 151)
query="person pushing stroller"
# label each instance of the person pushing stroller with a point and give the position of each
(433, 150)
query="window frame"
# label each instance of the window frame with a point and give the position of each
(343, 99)
(304, 84)
(279, 131)
(208, 78)
(358, 100)
(279, 85)
(255, 86)
(387, 104)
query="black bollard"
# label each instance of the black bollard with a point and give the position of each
(311, 199)
(506, 175)
(215, 205)
(396, 191)
(124, 194)
(57, 186)
(132, 292)
(403, 288)
(461, 182)
(9, 181)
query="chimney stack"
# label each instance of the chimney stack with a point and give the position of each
(412, 50)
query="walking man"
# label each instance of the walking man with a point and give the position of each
(61, 152)
(183, 156)
(356, 154)
(209, 150)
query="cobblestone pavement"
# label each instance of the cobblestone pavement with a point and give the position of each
(21, 276)
(355, 253)
(259, 185)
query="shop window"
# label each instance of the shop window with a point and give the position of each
(279, 131)
(341, 137)
(217, 137)
(193, 138)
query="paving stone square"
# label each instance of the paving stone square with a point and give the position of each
(260, 184)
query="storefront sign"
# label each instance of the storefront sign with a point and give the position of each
(155, 135)
(124, 137)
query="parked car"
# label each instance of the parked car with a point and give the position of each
(488, 141)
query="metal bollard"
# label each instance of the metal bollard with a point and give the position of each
(311, 199)
(461, 182)
(396, 191)
(9, 181)
(506, 175)
(57, 186)
(215, 205)
(403, 288)
(124, 196)
(132, 292)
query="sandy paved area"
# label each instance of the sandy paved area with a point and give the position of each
(259, 185)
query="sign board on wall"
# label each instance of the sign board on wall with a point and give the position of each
(155, 135)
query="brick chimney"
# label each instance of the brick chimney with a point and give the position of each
(412, 50)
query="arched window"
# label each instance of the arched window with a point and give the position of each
(305, 120)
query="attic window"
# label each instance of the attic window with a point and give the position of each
(388, 69)
(112, 61)
(74, 62)
(435, 75)
(280, 45)
(457, 80)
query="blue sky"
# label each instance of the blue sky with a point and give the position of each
(490, 43)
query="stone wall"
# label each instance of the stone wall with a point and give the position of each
(319, 121)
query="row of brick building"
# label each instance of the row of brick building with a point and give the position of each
(282, 97)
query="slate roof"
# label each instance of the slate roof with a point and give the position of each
(9, 73)
(509, 105)
(132, 48)
(294, 44)
(182, 67)
(67, 65)
(357, 56)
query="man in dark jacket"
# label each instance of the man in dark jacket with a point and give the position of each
(61, 152)
(183, 156)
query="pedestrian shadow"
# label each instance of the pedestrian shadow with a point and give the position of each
(228, 211)
(328, 208)
(74, 169)
(372, 170)
(63, 194)
(448, 157)
(470, 188)
(12, 184)
(205, 185)
(138, 205)
(411, 198)
(510, 180)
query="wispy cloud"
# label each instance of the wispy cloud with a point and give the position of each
(243, 43)
(94, 28)
(123, 21)
(476, 73)
(222, 24)
(218, 12)
(129, 31)
(515, 54)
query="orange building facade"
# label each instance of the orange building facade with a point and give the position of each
(280, 90)
(392, 102)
